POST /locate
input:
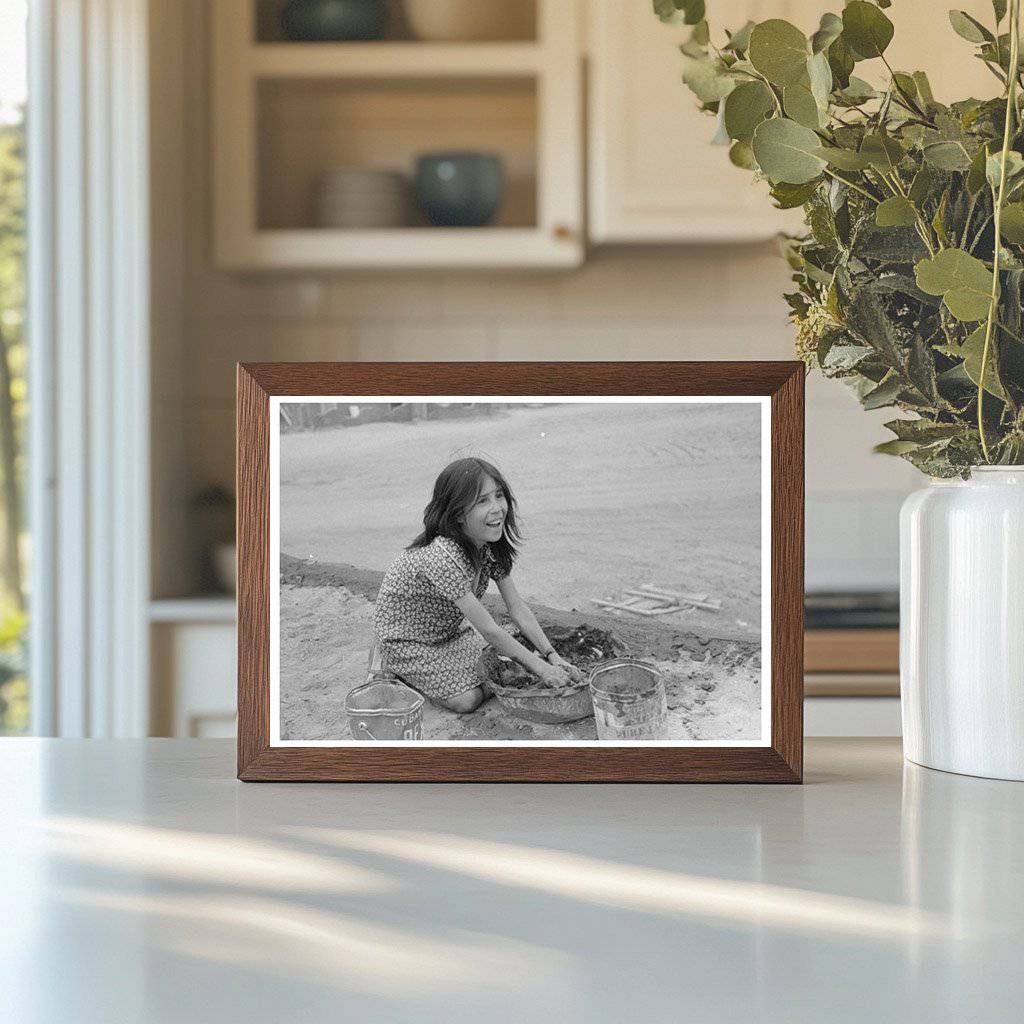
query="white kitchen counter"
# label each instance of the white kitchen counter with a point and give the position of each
(140, 882)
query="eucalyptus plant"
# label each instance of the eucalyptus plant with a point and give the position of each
(902, 289)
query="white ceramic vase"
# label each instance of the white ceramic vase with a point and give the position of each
(962, 624)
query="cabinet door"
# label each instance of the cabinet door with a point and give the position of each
(654, 176)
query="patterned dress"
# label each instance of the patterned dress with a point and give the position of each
(424, 638)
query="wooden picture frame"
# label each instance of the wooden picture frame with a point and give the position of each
(779, 759)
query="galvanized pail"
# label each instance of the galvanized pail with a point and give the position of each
(384, 709)
(629, 701)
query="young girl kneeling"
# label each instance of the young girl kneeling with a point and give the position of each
(434, 586)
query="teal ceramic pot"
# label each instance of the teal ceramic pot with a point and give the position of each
(334, 21)
(460, 189)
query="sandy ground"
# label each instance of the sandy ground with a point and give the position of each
(609, 496)
(325, 634)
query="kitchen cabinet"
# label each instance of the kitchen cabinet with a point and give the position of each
(193, 667)
(654, 177)
(286, 114)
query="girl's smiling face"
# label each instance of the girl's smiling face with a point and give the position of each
(484, 520)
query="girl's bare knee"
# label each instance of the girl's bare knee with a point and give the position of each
(463, 703)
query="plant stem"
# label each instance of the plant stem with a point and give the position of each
(1011, 107)
(907, 99)
(853, 185)
(894, 183)
(768, 86)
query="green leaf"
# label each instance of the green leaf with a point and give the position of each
(922, 185)
(906, 84)
(745, 108)
(969, 28)
(690, 12)
(829, 30)
(819, 74)
(889, 245)
(939, 220)
(976, 173)
(840, 61)
(866, 29)
(801, 106)
(786, 151)
(921, 370)
(741, 155)
(844, 159)
(963, 281)
(693, 10)
(779, 51)
(788, 196)
(666, 10)
(857, 91)
(885, 394)
(971, 351)
(1011, 226)
(739, 41)
(883, 152)
(895, 447)
(868, 319)
(993, 166)
(923, 431)
(947, 156)
(895, 212)
(924, 88)
(707, 78)
(701, 34)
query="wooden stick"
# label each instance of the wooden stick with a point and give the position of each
(652, 597)
(690, 599)
(621, 607)
(649, 588)
(679, 595)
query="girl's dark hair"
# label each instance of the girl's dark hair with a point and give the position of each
(457, 486)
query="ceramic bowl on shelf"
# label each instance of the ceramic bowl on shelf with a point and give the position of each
(362, 197)
(460, 189)
(470, 20)
(334, 21)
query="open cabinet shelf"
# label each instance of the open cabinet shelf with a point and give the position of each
(393, 60)
(287, 114)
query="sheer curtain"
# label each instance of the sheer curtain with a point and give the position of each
(88, 308)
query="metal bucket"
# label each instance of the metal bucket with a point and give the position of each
(629, 701)
(385, 709)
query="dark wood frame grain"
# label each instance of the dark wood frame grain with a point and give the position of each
(782, 761)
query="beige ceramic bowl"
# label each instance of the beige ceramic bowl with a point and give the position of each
(358, 197)
(471, 20)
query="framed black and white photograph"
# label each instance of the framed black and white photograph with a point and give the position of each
(563, 575)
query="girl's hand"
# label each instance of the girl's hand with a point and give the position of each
(567, 666)
(553, 675)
